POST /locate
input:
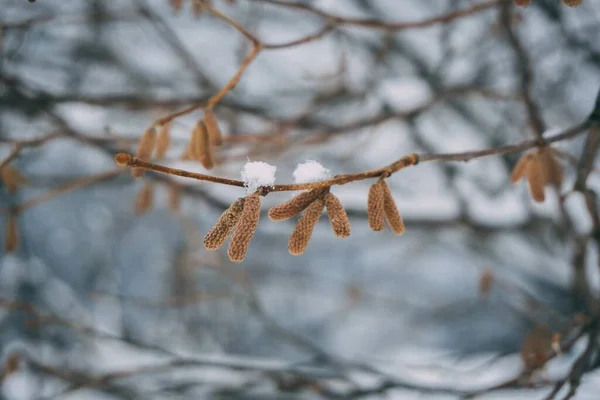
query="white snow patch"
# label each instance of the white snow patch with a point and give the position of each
(256, 174)
(311, 171)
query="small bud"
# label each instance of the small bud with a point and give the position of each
(245, 229)
(145, 149)
(392, 215)
(337, 216)
(228, 220)
(144, 199)
(294, 206)
(375, 207)
(304, 228)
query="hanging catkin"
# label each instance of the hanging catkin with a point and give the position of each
(226, 223)
(245, 229)
(375, 207)
(304, 228)
(337, 216)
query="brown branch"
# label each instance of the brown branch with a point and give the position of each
(126, 160)
(388, 26)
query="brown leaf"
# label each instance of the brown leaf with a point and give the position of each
(520, 168)
(535, 178)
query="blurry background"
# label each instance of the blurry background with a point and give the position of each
(100, 300)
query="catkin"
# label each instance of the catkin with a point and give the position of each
(201, 145)
(337, 216)
(144, 198)
(535, 178)
(573, 3)
(520, 168)
(11, 238)
(245, 229)
(553, 174)
(293, 206)
(392, 214)
(212, 126)
(304, 228)
(536, 348)
(12, 178)
(145, 149)
(174, 197)
(375, 207)
(228, 220)
(176, 4)
(163, 142)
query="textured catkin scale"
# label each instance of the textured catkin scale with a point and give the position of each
(203, 150)
(391, 212)
(11, 238)
(520, 168)
(212, 126)
(228, 220)
(293, 206)
(553, 173)
(535, 178)
(144, 198)
(536, 349)
(573, 3)
(375, 207)
(163, 142)
(304, 228)
(337, 216)
(245, 229)
(145, 149)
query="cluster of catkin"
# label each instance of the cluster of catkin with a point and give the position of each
(241, 218)
(381, 207)
(570, 3)
(541, 168)
(11, 179)
(205, 136)
(311, 203)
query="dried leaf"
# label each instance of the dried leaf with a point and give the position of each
(375, 207)
(294, 206)
(573, 3)
(245, 229)
(392, 215)
(226, 223)
(337, 216)
(304, 228)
